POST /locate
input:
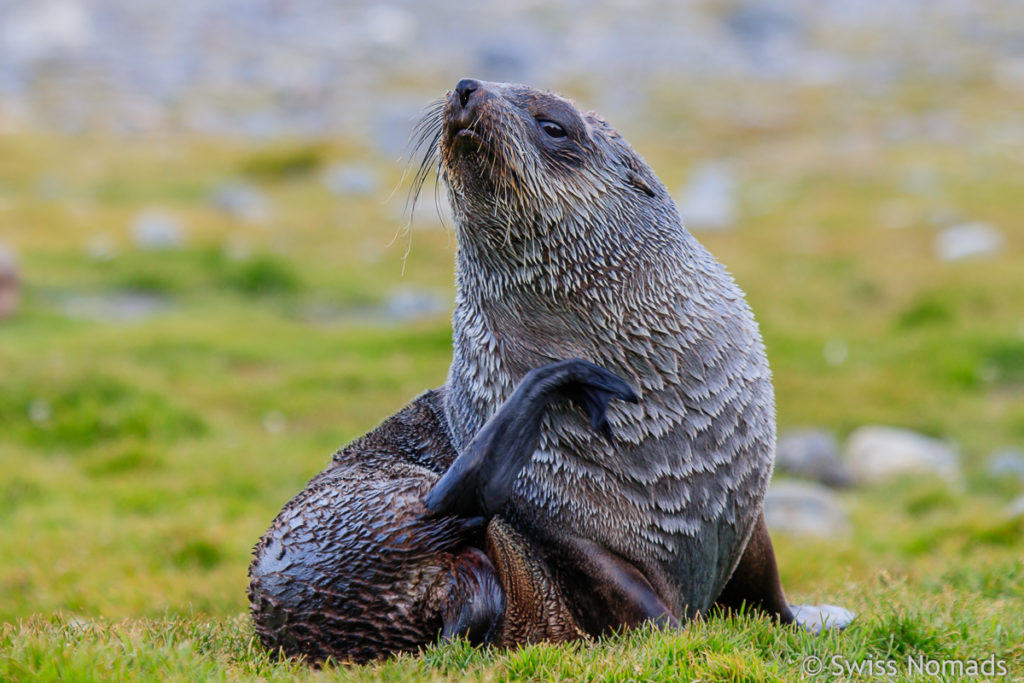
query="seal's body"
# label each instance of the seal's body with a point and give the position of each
(570, 248)
(597, 265)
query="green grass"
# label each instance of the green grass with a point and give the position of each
(140, 460)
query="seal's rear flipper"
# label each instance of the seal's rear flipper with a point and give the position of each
(480, 480)
(756, 584)
(475, 602)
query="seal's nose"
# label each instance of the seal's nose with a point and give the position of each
(465, 88)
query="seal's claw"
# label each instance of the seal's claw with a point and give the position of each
(818, 618)
(592, 388)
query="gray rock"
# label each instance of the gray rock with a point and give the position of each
(968, 240)
(1016, 508)
(414, 304)
(154, 229)
(878, 453)
(10, 284)
(813, 454)
(708, 201)
(115, 307)
(350, 179)
(1007, 463)
(805, 509)
(241, 201)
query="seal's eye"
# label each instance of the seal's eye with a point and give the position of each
(551, 128)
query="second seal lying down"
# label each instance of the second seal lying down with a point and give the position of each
(599, 455)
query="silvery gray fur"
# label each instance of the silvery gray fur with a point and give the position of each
(616, 279)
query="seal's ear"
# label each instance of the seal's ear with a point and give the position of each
(634, 179)
(635, 174)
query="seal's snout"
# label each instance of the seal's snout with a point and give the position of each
(465, 107)
(465, 89)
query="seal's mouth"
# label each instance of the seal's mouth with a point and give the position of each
(467, 110)
(459, 135)
(463, 124)
(456, 135)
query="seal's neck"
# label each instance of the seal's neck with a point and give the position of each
(569, 289)
(560, 254)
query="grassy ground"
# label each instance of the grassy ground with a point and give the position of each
(139, 461)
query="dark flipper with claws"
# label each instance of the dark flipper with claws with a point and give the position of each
(480, 480)
(755, 584)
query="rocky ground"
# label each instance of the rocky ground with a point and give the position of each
(315, 67)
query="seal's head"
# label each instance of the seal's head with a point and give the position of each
(524, 165)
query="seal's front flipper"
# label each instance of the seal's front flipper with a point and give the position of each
(475, 602)
(480, 480)
(756, 584)
(611, 592)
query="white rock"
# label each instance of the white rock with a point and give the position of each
(1016, 508)
(878, 453)
(1007, 463)
(708, 201)
(154, 229)
(968, 240)
(805, 509)
(813, 454)
(816, 618)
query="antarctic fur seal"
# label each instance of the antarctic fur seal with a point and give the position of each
(569, 247)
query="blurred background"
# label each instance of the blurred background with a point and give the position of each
(208, 279)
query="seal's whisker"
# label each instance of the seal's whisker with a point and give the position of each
(437, 208)
(424, 140)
